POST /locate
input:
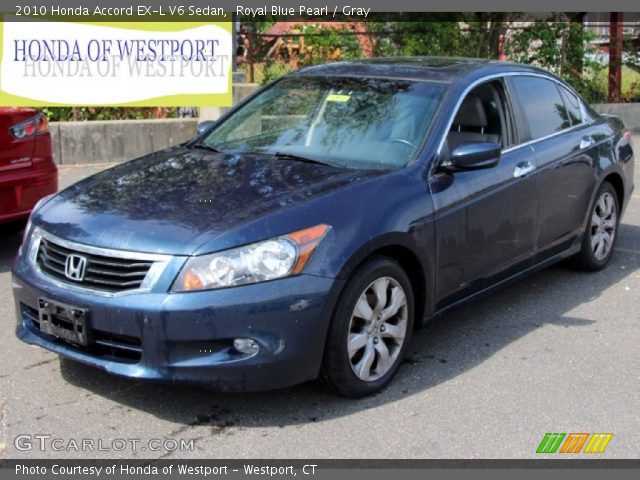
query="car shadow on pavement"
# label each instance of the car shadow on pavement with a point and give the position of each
(448, 346)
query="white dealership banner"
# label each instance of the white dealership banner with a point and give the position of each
(71, 63)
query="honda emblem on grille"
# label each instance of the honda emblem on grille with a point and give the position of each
(75, 267)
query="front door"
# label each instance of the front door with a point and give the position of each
(485, 219)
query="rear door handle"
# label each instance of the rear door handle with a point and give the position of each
(586, 142)
(523, 168)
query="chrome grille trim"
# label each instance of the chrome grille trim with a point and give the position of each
(115, 275)
(109, 272)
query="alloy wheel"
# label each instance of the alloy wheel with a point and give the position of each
(377, 329)
(603, 226)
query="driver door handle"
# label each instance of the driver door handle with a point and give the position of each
(523, 168)
(586, 142)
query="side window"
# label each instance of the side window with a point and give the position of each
(573, 106)
(542, 106)
(483, 116)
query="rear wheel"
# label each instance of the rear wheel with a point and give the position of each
(370, 330)
(600, 238)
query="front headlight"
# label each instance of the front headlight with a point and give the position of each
(27, 228)
(267, 260)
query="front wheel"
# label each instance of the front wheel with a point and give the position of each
(370, 330)
(600, 237)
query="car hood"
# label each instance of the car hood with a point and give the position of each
(175, 200)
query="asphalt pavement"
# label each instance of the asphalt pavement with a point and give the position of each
(558, 351)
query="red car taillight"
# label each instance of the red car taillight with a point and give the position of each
(30, 127)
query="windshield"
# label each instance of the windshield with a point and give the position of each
(347, 122)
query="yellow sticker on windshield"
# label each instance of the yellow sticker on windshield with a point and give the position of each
(334, 97)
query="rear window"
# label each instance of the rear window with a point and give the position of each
(572, 103)
(543, 108)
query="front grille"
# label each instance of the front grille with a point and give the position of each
(110, 274)
(105, 345)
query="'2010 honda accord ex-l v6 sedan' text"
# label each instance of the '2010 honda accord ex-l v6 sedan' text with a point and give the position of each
(310, 230)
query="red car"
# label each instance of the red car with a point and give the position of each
(27, 170)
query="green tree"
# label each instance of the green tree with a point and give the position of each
(559, 46)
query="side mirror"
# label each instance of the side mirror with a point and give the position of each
(204, 126)
(473, 156)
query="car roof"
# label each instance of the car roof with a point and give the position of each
(437, 69)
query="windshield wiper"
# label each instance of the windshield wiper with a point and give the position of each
(300, 158)
(204, 146)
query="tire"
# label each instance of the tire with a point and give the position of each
(600, 237)
(376, 314)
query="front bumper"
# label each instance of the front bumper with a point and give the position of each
(188, 337)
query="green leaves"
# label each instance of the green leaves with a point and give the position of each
(63, 114)
(561, 47)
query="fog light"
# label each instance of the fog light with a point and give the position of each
(246, 346)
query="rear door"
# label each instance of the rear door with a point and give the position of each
(565, 152)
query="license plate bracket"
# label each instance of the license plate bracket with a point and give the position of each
(66, 322)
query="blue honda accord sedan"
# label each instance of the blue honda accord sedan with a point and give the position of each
(309, 231)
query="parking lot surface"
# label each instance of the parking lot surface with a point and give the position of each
(558, 351)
